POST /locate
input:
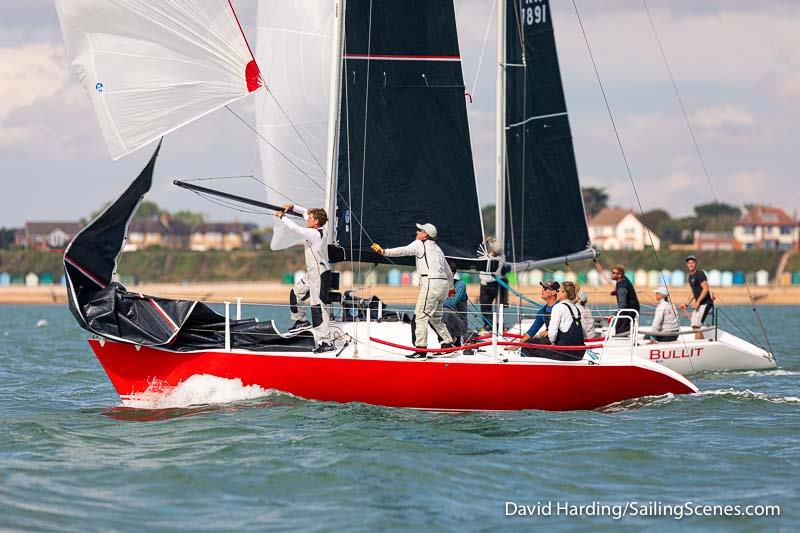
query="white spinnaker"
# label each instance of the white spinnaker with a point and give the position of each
(294, 48)
(152, 66)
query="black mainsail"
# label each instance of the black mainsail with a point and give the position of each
(544, 212)
(404, 148)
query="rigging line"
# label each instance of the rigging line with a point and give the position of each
(619, 142)
(250, 176)
(299, 136)
(492, 13)
(229, 205)
(282, 154)
(701, 159)
(364, 148)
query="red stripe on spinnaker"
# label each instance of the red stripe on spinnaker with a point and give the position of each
(101, 283)
(252, 74)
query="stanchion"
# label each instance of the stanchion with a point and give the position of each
(238, 308)
(227, 326)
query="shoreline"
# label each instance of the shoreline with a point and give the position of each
(278, 293)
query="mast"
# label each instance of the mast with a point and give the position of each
(333, 116)
(500, 138)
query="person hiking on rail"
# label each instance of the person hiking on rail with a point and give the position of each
(316, 284)
(435, 282)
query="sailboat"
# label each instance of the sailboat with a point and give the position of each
(541, 218)
(398, 150)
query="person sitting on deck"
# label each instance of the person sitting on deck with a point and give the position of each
(587, 321)
(665, 327)
(549, 295)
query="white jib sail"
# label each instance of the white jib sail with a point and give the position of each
(294, 48)
(152, 66)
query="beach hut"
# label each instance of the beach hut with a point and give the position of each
(786, 279)
(640, 278)
(5, 279)
(678, 278)
(346, 280)
(714, 278)
(665, 278)
(571, 276)
(31, 280)
(795, 278)
(393, 277)
(405, 279)
(547, 276)
(593, 278)
(535, 276)
(738, 278)
(371, 279)
(653, 278)
(17, 280)
(762, 278)
(46, 279)
(288, 279)
(522, 278)
(415, 279)
(727, 278)
(582, 280)
(512, 278)
(558, 275)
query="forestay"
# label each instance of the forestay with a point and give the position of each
(545, 216)
(152, 66)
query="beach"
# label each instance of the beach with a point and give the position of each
(278, 293)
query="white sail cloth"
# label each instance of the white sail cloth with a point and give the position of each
(152, 66)
(294, 47)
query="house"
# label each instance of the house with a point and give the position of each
(767, 228)
(225, 236)
(619, 229)
(159, 232)
(46, 235)
(714, 241)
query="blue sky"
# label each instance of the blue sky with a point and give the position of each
(736, 62)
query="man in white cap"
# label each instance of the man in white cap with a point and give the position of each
(435, 281)
(665, 327)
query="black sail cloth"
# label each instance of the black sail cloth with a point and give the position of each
(545, 216)
(404, 147)
(105, 308)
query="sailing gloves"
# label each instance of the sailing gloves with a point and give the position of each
(377, 248)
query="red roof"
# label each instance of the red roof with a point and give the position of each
(766, 216)
(47, 227)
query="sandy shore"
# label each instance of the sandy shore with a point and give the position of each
(270, 292)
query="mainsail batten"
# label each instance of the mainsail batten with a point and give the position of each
(544, 212)
(405, 154)
(150, 67)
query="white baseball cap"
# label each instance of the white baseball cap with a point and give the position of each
(662, 291)
(582, 297)
(428, 228)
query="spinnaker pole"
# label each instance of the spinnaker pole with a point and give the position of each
(234, 197)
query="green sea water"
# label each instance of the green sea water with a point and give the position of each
(73, 459)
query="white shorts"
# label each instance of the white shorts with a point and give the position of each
(699, 315)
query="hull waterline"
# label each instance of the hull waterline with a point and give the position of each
(441, 384)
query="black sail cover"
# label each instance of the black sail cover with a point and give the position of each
(545, 215)
(104, 307)
(404, 147)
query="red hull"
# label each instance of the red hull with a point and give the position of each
(437, 385)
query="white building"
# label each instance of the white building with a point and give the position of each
(619, 229)
(768, 228)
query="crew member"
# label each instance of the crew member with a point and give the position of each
(565, 325)
(454, 313)
(316, 284)
(534, 336)
(666, 326)
(587, 321)
(435, 280)
(701, 301)
(626, 299)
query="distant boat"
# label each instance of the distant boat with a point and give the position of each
(398, 152)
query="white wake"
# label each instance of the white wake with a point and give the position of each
(200, 389)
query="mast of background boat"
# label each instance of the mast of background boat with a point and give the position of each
(500, 127)
(334, 100)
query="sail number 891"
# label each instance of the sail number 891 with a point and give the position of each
(534, 14)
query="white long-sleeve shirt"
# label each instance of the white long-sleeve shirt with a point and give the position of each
(587, 321)
(665, 318)
(561, 318)
(430, 258)
(316, 252)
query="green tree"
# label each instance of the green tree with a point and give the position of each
(148, 210)
(654, 218)
(7, 237)
(595, 199)
(716, 209)
(190, 218)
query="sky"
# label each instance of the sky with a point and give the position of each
(736, 63)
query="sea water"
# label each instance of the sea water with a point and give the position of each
(216, 455)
